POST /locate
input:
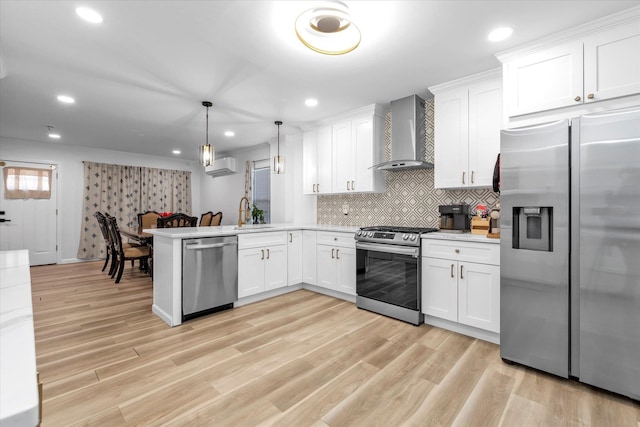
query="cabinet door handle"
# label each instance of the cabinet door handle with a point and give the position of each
(461, 275)
(332, 253)
(262, 250)
(472, 172)
(451, 270)
(317, 188)
(337, 253)
(268, 254)
(290, 238)
(314, 188)
(348, 186)
(353, 185)
(457, 251)
(463, 177)
(591, 96)
(578, 99)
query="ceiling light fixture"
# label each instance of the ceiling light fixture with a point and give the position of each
(66, 99)
(52, 134)
(311, 102)
(500, 34)
(89, 15)
(278, 160)
(229, 133)
(176, 151)
(328, 29)
(207, 152)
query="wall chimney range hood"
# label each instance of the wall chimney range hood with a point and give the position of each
(408, 135)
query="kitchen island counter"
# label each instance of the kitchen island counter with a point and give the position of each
(167, 265)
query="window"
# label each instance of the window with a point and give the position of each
(27, 183)
(261, 187)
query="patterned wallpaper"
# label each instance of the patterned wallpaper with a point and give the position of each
(409, 200)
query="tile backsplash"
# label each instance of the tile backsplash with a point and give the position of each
(409, 200)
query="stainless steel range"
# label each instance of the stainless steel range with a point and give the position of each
(388, 271)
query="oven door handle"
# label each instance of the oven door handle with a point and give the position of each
(394, 249)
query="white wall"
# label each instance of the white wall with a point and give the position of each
(223, 193)
(288, 203)
(71, 180)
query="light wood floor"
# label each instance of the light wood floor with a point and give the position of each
(301, 359)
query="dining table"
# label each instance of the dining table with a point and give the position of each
(137, 235)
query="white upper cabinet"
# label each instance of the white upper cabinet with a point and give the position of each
(544, 80)
(468, 119)
(317, 161)
(339, 154)
(592, 65)
(612, 63)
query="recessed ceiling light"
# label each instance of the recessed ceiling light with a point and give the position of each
(229, 133)
(176, 151)
(328, 29)
(311, 102)
(500, 34)
(66, 99)
(54, 135)
(89, 15)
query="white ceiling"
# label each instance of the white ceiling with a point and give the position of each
(140, 76)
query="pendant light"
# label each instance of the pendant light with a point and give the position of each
(207, 152)
(278, 160)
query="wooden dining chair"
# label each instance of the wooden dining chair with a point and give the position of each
(210, 219)
(147, 219)
(102, 223)
(124, 253)
(177, 220)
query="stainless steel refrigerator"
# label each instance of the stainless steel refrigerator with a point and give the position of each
(570, 248)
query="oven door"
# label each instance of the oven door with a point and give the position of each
(389, 274)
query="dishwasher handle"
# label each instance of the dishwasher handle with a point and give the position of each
(212, 245)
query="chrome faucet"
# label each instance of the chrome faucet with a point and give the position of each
(247, 214)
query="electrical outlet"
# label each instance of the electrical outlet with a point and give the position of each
(345, 209)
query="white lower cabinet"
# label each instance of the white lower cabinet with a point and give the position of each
(309, 268)
(262, 262)
(294, 257)
(456, 289)
(336, 262)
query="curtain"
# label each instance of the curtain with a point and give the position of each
(248, 178)
(26, 183)
(123, 192)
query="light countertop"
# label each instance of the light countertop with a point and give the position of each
(468, 237)
(19, 402)
(230, 230)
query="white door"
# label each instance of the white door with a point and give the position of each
(275, 267)
(346, 275)
(30, 223)
(326, 266)
(440, 288)
(485, 122)
(479, 296)
(451, 138)
(250, 271)
(294, 257)
(310, 162)
(343, 157)
(362, 139)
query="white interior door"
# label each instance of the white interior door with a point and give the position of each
(30, 223)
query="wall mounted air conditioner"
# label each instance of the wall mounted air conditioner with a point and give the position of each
(221, 167)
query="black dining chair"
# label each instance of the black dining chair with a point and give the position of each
(177, 220)
(123, 253)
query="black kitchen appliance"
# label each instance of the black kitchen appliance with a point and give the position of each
(454, 218)
(388, 275)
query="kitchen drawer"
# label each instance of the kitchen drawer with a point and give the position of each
(257, 240)
(345, 240)
(483, 253)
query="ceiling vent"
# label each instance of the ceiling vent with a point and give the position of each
(221, 167)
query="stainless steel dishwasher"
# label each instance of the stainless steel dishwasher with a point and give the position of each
(209, 275)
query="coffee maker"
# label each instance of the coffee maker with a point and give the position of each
(454, 218)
